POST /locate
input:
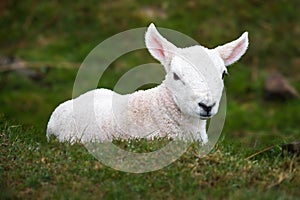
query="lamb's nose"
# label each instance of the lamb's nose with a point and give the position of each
(206, 107)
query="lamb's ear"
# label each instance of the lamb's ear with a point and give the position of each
(160, 48)
(233, 51)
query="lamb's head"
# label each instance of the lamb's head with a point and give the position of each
(195, 74)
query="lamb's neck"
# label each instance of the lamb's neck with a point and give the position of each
(155, 110)
(166, 105)
(158, 100)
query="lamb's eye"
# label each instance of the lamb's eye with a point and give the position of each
(175, 77)
(223, 75)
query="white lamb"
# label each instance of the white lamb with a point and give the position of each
(177, 108)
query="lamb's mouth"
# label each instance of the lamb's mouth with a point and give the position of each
(205, 116)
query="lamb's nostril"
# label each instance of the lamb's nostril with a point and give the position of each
(206, 107)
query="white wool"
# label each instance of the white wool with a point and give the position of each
(149, 114)
(177, 108)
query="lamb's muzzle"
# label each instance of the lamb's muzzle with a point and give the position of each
(206, 114)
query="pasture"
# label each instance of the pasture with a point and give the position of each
(51, 39)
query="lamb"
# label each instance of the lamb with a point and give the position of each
(177, 108)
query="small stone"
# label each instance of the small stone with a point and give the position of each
(277, 87)
(292, 149)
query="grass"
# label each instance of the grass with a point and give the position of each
(32, 167)
(55, 33)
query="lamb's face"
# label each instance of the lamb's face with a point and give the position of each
(195, 80)
(195, 74)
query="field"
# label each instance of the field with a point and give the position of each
(53, 38)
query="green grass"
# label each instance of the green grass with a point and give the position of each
(32, 167)
(55, 33)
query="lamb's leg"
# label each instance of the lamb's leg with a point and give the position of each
(201, 133)
(204, 137)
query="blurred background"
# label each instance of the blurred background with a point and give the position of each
(42, 44)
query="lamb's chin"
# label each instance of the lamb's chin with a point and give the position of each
(205, 118)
